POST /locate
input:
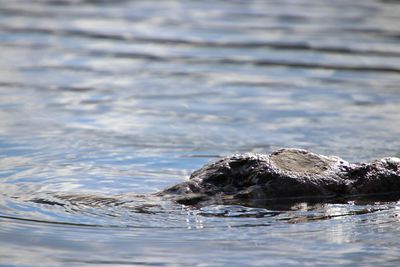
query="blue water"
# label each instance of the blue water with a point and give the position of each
(104, 102)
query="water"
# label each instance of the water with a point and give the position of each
(104, 102)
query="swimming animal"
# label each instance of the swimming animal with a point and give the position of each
(277, 181)
(285, 174)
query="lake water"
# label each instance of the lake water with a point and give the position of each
(104, 100)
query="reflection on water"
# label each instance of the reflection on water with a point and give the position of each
(104, 102)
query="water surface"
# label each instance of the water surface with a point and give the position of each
(104, 102)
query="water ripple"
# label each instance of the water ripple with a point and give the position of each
(105, 102)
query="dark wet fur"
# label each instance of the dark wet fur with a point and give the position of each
(286, 175)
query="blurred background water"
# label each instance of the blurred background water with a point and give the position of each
(101, 100)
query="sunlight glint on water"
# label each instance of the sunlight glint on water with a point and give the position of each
(104, 102)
